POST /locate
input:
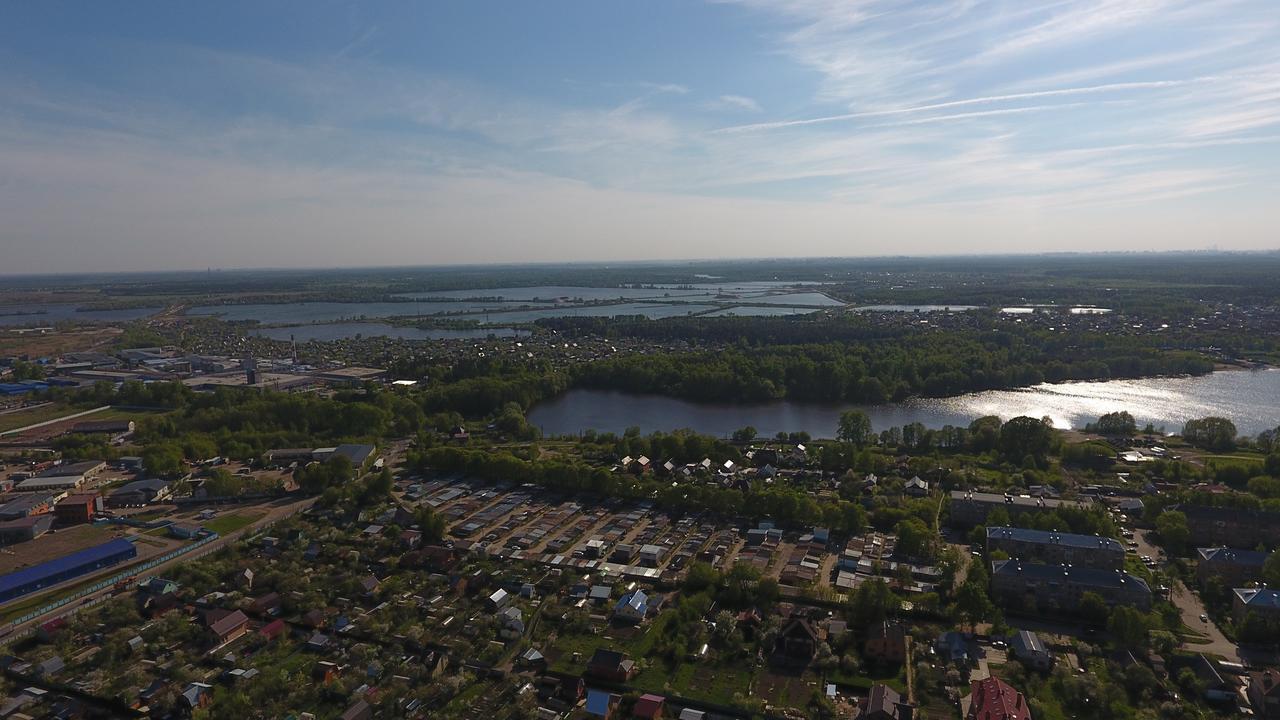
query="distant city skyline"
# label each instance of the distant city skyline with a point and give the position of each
(158, 136)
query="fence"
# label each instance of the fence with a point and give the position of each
(7, 630)
(105, 583)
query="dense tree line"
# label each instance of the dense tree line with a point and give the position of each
(934, 364)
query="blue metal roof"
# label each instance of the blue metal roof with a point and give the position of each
(88, 556)
(598, 702)
(1233, 556)
(1088, 577)
(1048, 537)
(1259, 597)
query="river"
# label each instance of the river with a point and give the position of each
(1251, 399)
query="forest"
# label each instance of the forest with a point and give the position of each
(888, 368)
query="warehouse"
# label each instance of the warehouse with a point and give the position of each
(24, 529)
(23, 505)
(38, 577)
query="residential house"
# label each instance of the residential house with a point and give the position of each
(954, 648)
(887, 643)
(360, 710)
(915, 487)
(269, 604)
(994, 699)
(229, 626)
(797, 642)
(611, 666)
(1027, 647)
(512, 622)
(532, 659)
(197, 695)
(602, 703)
(649, 707)
(1264, 693)
(883, 703)
(633, 607)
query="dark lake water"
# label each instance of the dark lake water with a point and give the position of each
(47, 314)
(343, 331)
(1251, 399)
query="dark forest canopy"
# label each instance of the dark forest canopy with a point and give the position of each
(935, 364)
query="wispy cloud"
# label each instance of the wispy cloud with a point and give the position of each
(737, 102)
(1039, 94)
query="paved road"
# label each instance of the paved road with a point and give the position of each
(1191, 607)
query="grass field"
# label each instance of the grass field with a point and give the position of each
(224, 524)
(44, 413)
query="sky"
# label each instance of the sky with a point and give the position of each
(184, 135)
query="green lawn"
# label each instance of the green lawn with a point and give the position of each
(23, 418)
(224, 524)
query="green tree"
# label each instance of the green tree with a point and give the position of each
(162, 460)
(1174, 534)
(855, 427)
(872, 603)
(1025, 436)
(1119, 424)
(1128, 628)
(1215, 434)
(916, 540)
(744, 435)
(1092, 609)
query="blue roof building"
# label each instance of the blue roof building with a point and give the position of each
(1059, 588)
(38, 577)
(601, 703)
(633, 606)
(1263, 601)
(1056, 548)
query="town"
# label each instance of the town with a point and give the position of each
(1004, 570)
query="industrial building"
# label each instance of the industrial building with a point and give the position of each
(38, 577)
(77, 509)
(20, 506)
(1055, 548)
(24, 529)
(139, 493)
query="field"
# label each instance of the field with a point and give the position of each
(33, 415)
(56, 343)
(224, 524)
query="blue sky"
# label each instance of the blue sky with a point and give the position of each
(154, 135)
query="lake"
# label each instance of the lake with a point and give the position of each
(520, 305)
(1251, 399)
(344, 331)
(41, 315)
(320, 312)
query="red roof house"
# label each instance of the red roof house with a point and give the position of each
(994, 699)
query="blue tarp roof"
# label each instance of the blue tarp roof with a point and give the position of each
(36, 573)
(598, 702)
